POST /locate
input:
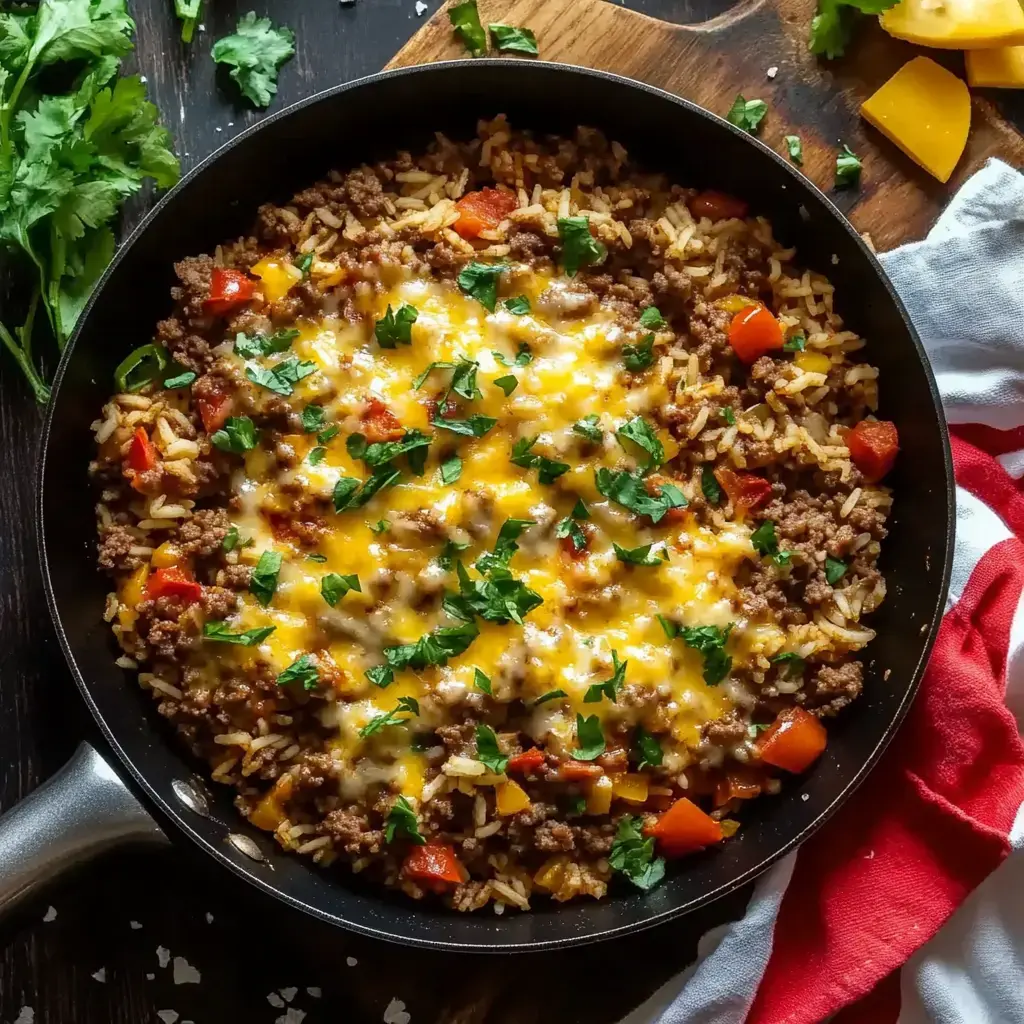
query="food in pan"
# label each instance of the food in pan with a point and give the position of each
(497, 521)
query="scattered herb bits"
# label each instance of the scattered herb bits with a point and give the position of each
(465, 19)
(480, 281)
(795, 148)
(848, 168)
(579, 247)
(395, 327)
(263, 581)
(509, 39)
(254, 53)
(747, 114)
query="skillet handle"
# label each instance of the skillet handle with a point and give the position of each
(82, 811)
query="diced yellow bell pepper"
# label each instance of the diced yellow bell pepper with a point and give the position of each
(631, 786)
(956, 24)
(131, 594)
(926, 111)
(551, 873)
(269, 813)
(729, 827)
(1001, 68)
(278, 277)
(166, 555)
(599, 796)
(510, 798)
(813, 362)
(734, 303)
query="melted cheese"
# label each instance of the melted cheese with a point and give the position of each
(591, 607)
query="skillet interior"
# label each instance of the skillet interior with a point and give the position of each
(368, 120)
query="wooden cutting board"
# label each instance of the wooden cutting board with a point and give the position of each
(711, 62)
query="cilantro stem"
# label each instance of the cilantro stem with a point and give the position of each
(9, 103)
(187, 28)
(42, 392)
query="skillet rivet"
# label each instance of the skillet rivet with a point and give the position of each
(243, 844)
(191, 797)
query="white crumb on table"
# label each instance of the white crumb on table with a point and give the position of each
(275, 1000)
(772, 71)
(150, 975)
(420, 7)
(50, 915)
(209, 918)
(100, 975)
(163, 956)
(288, 994)
(185, 973)
(135, 925)
(168, 1016)
(314, 991)
(351, 961)
(291, 1016)
(396, 1013)
(805, 796)
(26, 1015)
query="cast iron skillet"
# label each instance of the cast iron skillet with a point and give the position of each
(364, 121)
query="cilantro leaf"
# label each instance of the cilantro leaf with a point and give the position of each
(481, 682)
(465, 19)
(671, 629)
(710, 641)
(747, 114)
(508, 383)
(652, 319)
(589, 737)
(451, 470)
(254, 53)
(729, 416)
(550, 695)
(514, 40)
(518, 304)
(263, 581)
(474, 426)
(231, 539)
(182, 380)
(378, 722)
(480, 280)
(638, 556)
(282, 377)
(447, 557)
(639, 357)
(795, 342)
(302, 670)
(436, 365)
(633, 855)
(568, 527)
(628, 490)
(433, 648)
(793, 664)
(316, 557)
(395, 328)
(766, 543)
(238, 435)
(380, 453)
(835, 570)
(488, 752)
(381, 526)
(579, 247)
(188, 12)
(833, 25)
(795, 148)
(350, 493)
(709, 486)
(402, 819)
(381, 675)
(219, 631)
(848, 168)
(139, 367)
(327, 433)
(641, 433)
(609, 688)
(304, 262)
(523, 356)
(646, 751)
(588, 428)
(499, 597)
(548, 469)
(333, 587)
(316, 455)
(262, 344)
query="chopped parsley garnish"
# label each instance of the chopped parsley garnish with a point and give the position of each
(316, 455)
(263, 581)
(499, 597)
(231, 539)
(182, 380)
(710, 641)
(380, 675)
(316, 557)
(628, 490)
(550, 695)
(639, 357)
(464, 379)
(381, 526)
(304, 262)
(504, 547)
(588, 428)
(646, 751)
(405, 704)
(402, 820)
(652, 319)
(579, 247)
(795, 342)
(481, 682)
(394, 328)
(548, 469)
(447, 557)
(508, 383)
(439, 364)
(237, 435)
(791, 662)
(381, 453)
(589, 737)
(474, 426)
(264, 344)
(710, 486)
(747, 114)
(729, 416)
(835, 570)
(575, 806)
(514, 40)
(848, 168)
(641, 433)
(569, 527)
(633, 855)
(302, 670)
(488, 752)
(333, 587)
(609, 688)
(255, 52)
(433, 648)
(480, 281)
(351, 493)
(220, 632)
(518, 304)
(313, 418)
(465, 19)
(281, 378)
(832, 27)
(795, 148)
(523, 356)
(670, 628)
(327, 433)
(640, 556)
(766, 543)
(451, 470)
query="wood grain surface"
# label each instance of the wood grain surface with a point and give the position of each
(245, 947)
(711, 62)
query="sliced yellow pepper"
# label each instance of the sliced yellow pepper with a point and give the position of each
(599, 796)
(510, 798)
(278, 277)
(131, 594)
(632, 787)
(813, 362)
(734, 303)
(166, 555)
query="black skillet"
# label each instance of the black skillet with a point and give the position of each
(88, 807)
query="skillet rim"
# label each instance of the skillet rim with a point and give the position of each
(170, 811)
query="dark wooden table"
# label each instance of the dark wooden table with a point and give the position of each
(112, 917)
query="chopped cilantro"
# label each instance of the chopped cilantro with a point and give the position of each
(610, 687)
(518, 304)
(488, 752)
(480, 282)
(302, 670)
(182, 380)
(568, 527)
(508, 383)
(832, 27)
(514, 40)
(238, 435)
(481, 682)
(523, 356)
(579, 247)
(327, 433)
(639, 357)
(729, 416)
(447, 557)
(451, 470)
(791, 662)
(652, 319)
(395, 328)
(381, 526)
(438, 364)
(710, 486)
(639, 432)
(499, 597)
(548, 469)
(316, 455)
(402, 819)
(263, 581)
(264, 344)
(405, 704)
(795, 148)
(766, 543)
(835, 570)
(255, 52)
(432, 648)
(646, 751)
(474, 426)
(639, 556)
(304, 262)
(633, 855)
(628, 490)
(588, 428)
(380, 675)
(282, 377)
(848, 168)
(312, 418)
(316, 557)
(671, 629)
(219, 631)
(795, 342)
(351, 493)
(589, 737)
(747, 114)
(381, 453)
(333, 587)
(550, 695)
(710, 641)
(465, 19)
(231, 539)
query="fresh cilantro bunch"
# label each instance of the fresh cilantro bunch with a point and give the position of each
(255, 52)
(75, 141)
(833, 25)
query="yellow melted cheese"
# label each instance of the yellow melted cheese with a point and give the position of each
(591, 607)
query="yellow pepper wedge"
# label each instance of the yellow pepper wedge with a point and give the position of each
(510, 798)
(131, 594)
(166, 555)
(956, 24)
(813, 362)
(734, 303)
(599, 796)
(551, 873)
(1001, 68)
(278, 277)
(631, 787)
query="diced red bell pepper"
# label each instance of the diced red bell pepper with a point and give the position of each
(173, 582)
(753, 332)
(569, 545)
(228, 289)
(142, 454)
(873, 446)
(434, 866)
(380, 423)
(579, 771)
(653, 484)
(717, 205)
(527, 762)
(745, 490)
(794, 741)
(214, 409)
(480, 211)
(738, 784)
(684, 828)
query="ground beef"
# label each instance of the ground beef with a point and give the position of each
(278, 225)
(364, 193)
(554, 837)
(567, 300)
(219, 603)
(203, 534)
(189, 349)
(458, 739)
(350, 829)
(114, 547)
(194, 273)
(831, 688)
(726, 731)
(528, 246)
(234, 577)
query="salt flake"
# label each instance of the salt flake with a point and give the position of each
(150, 975)
(209, 918)
(291, 1016)
(351, 961)
(772, 71)
(50, 915)
(276, 1001)
(395, 1013)
(288, 994)
(185, 973)
(420, 7)
(163, 956)
(135, 925)
(101, 974)
(314, 991)
(168, 1016)
(26, 1015)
